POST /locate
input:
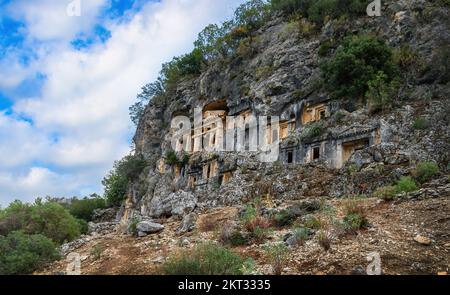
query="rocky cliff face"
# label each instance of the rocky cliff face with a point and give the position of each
(277, 73)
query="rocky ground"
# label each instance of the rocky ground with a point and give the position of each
(411, 234)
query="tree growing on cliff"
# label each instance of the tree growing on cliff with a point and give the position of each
(358, 61)
(116, 182)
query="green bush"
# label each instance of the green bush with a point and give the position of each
(301, 235)
(312, 130)
(83, 208)
(357, 62)
(291, 6)
(96, 252)
(420, 124)
(47, 218)
(83, 226)
(132, 226)
(23, 254)
(231, 235)
(325, 47)
(312, 222)
(278, 255)
(353, 222)
(425, 171)
(320, 9)
(380, 93)
(171, 157)
(386, 193)
(123, 172)
(257, 225)
(406, 184)
(282, 218)
(205, 259)
(324, 240)
(252, 14)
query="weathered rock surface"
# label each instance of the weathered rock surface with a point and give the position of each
(102, 227)
(144, 228)
(187, 224)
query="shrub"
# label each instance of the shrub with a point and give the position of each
(149, 91)
(320, 9)
(404, 56)
(325, 47)
(380, 92)
(353, 206)
(83, 208)
(324, 240)
(132, 226)
(252, 14)
(171, 157)
(123, 172)
(96, 252)
(425, 171)
(312, 223)
(277, 254)
(312, 130)
(232, 237)
(205, 259)
(355, 216)
(282, 218)
(353, 222)
(47, 218)
(359, 60)
(291, 6)
(386, 193)
(301, 235)
(83, 226)
(22, 254)
(258, 226)
(406, 184)
(420, 124)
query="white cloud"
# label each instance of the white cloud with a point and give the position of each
(48, 19)
(86, 95)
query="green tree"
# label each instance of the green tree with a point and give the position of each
(292, 6)
(116, 182)
(22, 254)
(47, 218)
(252, 14)
(358, 61)
(83, 208)
(148, 92)
(381, 92)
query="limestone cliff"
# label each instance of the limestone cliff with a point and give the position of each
(277, 73)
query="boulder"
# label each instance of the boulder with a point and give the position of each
(422, 240)
(187, 224)
(148, 227)
(175, 204)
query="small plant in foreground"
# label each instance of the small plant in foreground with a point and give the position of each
(312, 222)
(282, 218)
(420, 124)
(425, 171)
(231, 235)
(355, 216)
(277, 254)
(205, 259)
(301, 235)
(97, 252)
(324, 240)
(386, 193)
(406, 184)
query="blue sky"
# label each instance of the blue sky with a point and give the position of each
(66, 84)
